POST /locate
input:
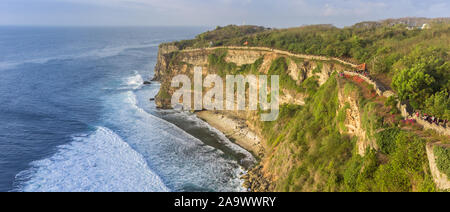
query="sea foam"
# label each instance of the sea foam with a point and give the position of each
(101, 161)
(183, 160)
(133, 82)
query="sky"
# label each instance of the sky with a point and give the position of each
(269, 13)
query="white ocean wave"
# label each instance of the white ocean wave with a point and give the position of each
(249, 159)
(101, 161)
(133, 82)
(184, 160)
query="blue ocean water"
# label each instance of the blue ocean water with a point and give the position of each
(75, 116)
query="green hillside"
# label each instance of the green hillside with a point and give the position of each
(309, 147)
(403, 53)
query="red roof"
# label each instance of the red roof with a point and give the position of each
(361, 67)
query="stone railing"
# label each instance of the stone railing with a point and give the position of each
(303, 56)
(404, 109)
(379, 88)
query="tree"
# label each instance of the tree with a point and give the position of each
(414, 84)
(439, 105)
(424, 72)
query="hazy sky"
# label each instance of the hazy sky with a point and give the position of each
(272, 13)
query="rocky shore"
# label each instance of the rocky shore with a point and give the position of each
(239, 132)
(235, 129)
(255, 181)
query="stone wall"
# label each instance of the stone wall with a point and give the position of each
(379, 88)
(407, 113)
(440, 179)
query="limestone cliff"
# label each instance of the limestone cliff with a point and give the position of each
(353, 123)
(172, 62)
(162, 61)
(244, 126)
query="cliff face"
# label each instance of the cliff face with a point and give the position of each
(353, 122)
(172, 62)
(290, 147)
(162, 64)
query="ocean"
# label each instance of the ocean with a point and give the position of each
(75, 116)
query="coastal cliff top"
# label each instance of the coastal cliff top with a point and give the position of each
(409, 54)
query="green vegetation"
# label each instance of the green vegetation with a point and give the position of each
(280, 67)
(309, 86)
(392, 102)
(306, 140)
(386, 140)
(438, 104)
(217, 62)
(163, 95)
(405, 169)
(308, 148)
(379, 43)
(443, 159)
(414, 60)
(250, 68)
(423, 79)
(220, 35)
(308, 153)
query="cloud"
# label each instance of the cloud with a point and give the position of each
(277, 13)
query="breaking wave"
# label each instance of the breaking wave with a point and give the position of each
(101, 161)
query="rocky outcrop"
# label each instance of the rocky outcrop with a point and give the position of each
(171, 62)
(239, 57)
(162, 63)
(255, 181)
(353, 123)
(239, 126)
(292, 97)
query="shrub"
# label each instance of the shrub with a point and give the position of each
(386, 140)
(443, 159)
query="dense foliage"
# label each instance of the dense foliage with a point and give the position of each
(308, 148)
(443, 159)
(308, 153)
(424, 80)
(415, 60)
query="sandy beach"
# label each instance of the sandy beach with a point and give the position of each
(235, 129)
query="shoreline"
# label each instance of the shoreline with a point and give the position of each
(237, 131)
(234, 129)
